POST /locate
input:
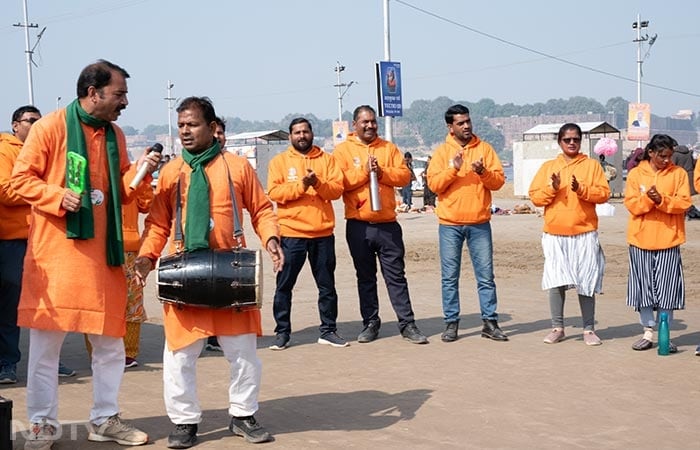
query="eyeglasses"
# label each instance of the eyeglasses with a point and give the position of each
(31, 120)
(576, 140)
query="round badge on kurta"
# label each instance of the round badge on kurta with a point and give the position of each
(97, 197)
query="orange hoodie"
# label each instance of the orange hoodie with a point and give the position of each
(14, 211)
(662, 226)
(352, 156)
(304, 213)
(464, 197)
(568, 213)
(696, 177)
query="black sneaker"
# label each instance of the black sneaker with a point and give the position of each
(370, 332)
(250, 429)
(332, 339)
(183, 436)
(413, 335)
(281, 342)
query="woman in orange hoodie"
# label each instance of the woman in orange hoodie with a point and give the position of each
(569, 187)
(657, 194)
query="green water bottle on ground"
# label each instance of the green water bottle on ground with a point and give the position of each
(664, 336)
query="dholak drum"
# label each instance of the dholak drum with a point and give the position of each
(222, 278)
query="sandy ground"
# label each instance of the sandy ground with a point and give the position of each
(473, 393)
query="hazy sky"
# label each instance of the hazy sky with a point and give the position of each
(265, 59)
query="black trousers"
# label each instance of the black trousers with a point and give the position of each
(367, 242)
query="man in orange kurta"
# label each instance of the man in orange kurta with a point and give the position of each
(196, 186)
(68, 284)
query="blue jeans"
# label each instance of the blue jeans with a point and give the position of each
(384, 241)
(407, 195)
(321, 253)
(480, 245)
(11, 267)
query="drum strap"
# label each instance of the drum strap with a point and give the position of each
(237, 229)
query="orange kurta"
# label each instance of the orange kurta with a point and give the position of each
(569, 213)
(304, 213)
(652, 226)
(185, 325)
(352, 156)
(14, 210)
(67, 284)
(464, 197)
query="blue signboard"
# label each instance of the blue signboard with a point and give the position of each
(389, 88)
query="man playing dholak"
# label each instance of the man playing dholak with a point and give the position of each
(198, 183)
(74, 170)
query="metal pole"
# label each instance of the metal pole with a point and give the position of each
(170, 99)
(388, 131)
(639, 60)
(338, 69)
(28, 51)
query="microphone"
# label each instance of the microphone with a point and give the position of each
(143, 170)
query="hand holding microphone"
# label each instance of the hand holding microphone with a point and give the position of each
(145, 166)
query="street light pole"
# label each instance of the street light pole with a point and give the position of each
(170, 100)
(341, 93)
(28, 50)
(388, 130)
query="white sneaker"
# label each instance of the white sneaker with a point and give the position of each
(41, 437)
(114, 430)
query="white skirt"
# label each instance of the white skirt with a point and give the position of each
(574, 262)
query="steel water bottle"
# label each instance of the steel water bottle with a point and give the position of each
(664, 335)
(374, 199)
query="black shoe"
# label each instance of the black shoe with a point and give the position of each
(281, 342)
(250, 429)
(183, 436)
(492, 331)
(370, 332)
(413, 335)
(450, 333)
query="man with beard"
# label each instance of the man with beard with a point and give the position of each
(74, 170)
(373, 232)
(194, 196)
(304, 180)
(463, 172)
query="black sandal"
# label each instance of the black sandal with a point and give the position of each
(642, 344)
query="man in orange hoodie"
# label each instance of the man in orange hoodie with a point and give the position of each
(303, 181)
(463, 172)
(74, 170)
(372, 230)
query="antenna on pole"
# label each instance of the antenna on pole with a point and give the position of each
(639, 25)
(340, 85)
(29, 51)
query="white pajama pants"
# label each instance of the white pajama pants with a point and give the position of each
(42, 375)
(180, 378)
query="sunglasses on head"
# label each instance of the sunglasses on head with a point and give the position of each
(570, 140)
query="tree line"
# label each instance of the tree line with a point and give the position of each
(422, 125)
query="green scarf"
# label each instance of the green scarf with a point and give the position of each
(81, 225)
(198, 213)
